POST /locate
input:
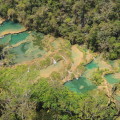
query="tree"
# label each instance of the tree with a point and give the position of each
(11, 13)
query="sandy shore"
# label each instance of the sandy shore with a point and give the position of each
(12, 32)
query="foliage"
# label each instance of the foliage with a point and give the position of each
(21, 99)
(96, 77)
(38, 39)
(55, 76)
(45, 63)
(26, 96)
(58, 58)
(1, 51)
(95, 23)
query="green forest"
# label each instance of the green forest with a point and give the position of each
(92, 22)
(20, 99)
(60, 41)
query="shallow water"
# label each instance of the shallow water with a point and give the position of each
(82, 84)
(92, 65)
(12, 39)
(15, 38)
(9, 25)
(111, 79)
(23, 52)
(5, 40)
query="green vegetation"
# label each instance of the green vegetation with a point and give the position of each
(5, 57)
(38, 39)
(45, 63)
(21, 99)
(95, 23)
(97, 77)
(34, 90)
(1, 51)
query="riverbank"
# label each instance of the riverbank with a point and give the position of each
(12, 32)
